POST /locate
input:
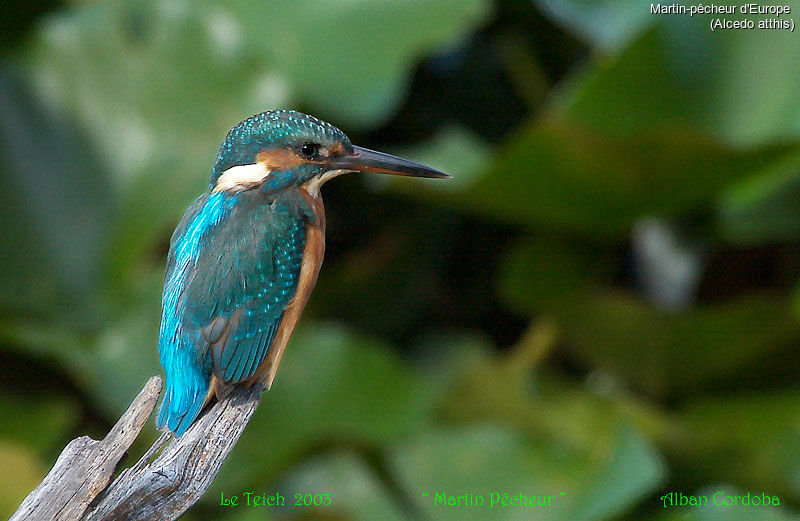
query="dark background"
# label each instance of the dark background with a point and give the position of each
(602, 303)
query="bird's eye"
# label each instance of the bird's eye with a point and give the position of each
(309, 150)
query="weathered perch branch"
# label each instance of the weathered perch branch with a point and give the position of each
(78, 485)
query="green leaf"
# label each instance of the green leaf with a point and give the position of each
(758, 450)
(633, 92)
(680, 74)
(556, 173)
(605, 24)
(661, 351)
(331, 385)
(656, 350)
(51, 419)
(354, 490)
(743, 108)
(573, 438)
(158, 84)
(720, 510)
(54, 206)
(125, 356)
(482, 463)
(19, 461)
(156, 93)
(540, 273)
(351, 59)
(764, 207)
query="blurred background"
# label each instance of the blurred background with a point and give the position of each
(602, 305)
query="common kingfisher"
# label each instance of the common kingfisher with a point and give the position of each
(246, 255)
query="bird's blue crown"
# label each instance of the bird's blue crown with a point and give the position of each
(271, 130)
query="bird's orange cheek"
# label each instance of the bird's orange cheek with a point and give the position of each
(280, 159)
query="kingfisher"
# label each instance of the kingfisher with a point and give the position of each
(246, 254)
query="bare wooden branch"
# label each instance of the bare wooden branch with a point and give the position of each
(161, 489)
(165, 488)
(86, 466)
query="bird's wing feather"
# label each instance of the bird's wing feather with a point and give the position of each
(244, 281)
(232, 270)
(187, 373)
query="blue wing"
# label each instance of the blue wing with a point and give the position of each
(239, 336)
(233, 268)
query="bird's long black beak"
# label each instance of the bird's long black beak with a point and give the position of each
(366, 160)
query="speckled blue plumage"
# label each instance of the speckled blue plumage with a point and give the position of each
(235, 259)
(246, 254)
(188, 370)
(278, 128)
(233, 267)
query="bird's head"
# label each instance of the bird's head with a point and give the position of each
(280, 148)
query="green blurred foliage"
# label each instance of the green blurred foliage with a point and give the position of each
(496, 333)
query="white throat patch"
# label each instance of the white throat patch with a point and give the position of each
(315, 183)
(241, 177)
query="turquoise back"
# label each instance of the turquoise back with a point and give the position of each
(233, 267)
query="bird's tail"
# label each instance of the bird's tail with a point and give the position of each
(186, 391)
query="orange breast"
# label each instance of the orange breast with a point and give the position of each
(313, 254)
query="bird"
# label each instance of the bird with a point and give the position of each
(246, 254)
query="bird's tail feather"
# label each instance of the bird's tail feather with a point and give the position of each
(179, 418)
(185, 395)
